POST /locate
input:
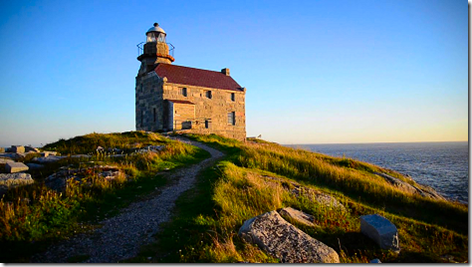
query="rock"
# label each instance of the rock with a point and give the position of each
(375, 261)
(30, 148)
(150, 149)
(48, 153)
(312, 194)
(13, 156)
(284, 241)
(12, 180)
(12, 167)
(422, 190)
(5, 160)
(58, 180)
(296, 215)
(381, 230)
(34, 166)
(406, 187)
(81, 156)
(48, 159)
(18, 149)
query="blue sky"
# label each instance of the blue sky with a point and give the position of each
(315, 71)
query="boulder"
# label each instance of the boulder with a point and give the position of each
(296, 215)
(314, 195)
(422, 190)
(284, 241)
(48, 153)
(32, 149)
(12, 180)
(12, 167)
(381, 230)
(406, 187)
(18, 149)
(5, 160)
(13, 156)
(48, 159)
(34, 166)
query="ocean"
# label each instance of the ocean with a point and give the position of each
(442, 165)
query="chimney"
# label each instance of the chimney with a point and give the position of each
(225, 71)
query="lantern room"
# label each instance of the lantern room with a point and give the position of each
(156, 34)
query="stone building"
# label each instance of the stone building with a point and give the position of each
(178, 98)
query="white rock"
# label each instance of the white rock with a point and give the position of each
(284, 241)
(381, 230)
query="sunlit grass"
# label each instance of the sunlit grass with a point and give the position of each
(236, 190)
(36, 214)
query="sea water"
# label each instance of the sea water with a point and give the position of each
(442, 165)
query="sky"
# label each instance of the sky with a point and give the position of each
(326, 71)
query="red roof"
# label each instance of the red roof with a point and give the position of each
(196, 77)
(180, 101)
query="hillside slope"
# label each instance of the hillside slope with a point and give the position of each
(256, 177)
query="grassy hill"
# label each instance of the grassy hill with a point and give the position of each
(208, 218)
(254, 177)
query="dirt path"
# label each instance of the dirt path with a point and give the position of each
(121, 236)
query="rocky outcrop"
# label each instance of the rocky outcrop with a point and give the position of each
(314, 195)
(284, 241)
(381, 230)
(12, 180)
(296, 215)
(421, 190)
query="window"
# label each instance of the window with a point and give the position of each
(207, 124)
(154, 112)
(184, 92)
(208, 94)
(232, 118)
(232, 97)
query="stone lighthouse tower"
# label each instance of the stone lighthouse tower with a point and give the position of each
(155, 50)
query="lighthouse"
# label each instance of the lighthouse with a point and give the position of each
(184, 99)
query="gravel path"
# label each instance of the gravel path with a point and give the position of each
(121, 236)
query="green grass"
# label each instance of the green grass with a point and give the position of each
(207, 218)
(31, 217)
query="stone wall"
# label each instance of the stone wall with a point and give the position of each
(149, 103)
(214, 110)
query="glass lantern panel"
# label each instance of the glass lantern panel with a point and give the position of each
(161, 38)
(151, 37)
